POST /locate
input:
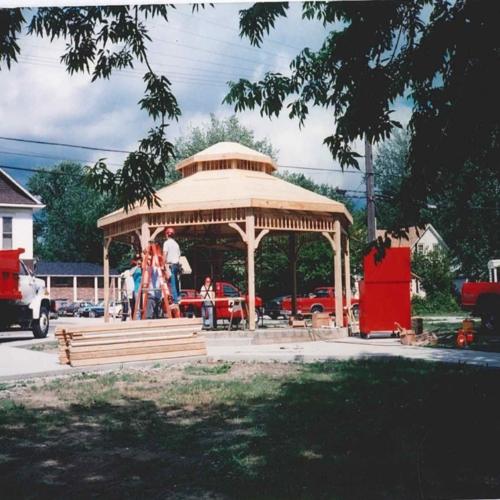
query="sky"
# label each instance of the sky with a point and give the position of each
(199, 52)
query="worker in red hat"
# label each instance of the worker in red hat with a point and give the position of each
(171, 257)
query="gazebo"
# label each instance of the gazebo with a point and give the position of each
(231, 187)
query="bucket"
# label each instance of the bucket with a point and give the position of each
(468, 324)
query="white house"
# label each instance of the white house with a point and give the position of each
(421, 241)
(17, 207)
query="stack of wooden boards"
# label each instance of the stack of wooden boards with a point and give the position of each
(123, 342)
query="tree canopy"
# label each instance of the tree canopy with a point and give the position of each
(466, 211)
(198, 138)
(439, 56)
(101, 40)
(66, 230)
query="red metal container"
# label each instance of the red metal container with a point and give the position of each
(9, 274)
(385, 292)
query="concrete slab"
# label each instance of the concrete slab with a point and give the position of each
(18, 362)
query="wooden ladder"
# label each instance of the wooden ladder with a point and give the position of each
(153, 257)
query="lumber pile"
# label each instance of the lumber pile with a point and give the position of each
(130, 341)
(409, 337)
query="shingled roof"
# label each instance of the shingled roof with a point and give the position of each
(12, 193)
(71, 269)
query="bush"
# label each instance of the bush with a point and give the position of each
(438, 303)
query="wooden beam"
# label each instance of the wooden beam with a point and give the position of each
(330, 239)
(261, 235)
(338, 275)
(347, 272)
(244, 236)
(107, 242)
(144, 232)
(157, 231)
(292, 258)
(250, 234)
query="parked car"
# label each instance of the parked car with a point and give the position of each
(273, 307)
(53, 314)
(72, 309)
(322, 299)
(224, 309)
(189, 310)
(96, 311)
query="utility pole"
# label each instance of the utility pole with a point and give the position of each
(370, 192)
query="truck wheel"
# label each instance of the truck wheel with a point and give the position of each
(355, 312)
(316, 309)
(41, 325)
(257, 316)
(490, 321)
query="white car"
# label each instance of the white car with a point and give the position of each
(98, 310)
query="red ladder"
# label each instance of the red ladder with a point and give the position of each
(153, 257)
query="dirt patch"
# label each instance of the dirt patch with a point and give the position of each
(223, 430)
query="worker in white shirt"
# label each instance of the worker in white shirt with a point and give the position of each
(171, 257)
(207, 306)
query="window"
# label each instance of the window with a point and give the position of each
(229, 291)
(434, 246)
(62, 281)
(420, 248)
(6, 233)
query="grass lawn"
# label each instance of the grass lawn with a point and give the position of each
(447, 336)
(335, 430)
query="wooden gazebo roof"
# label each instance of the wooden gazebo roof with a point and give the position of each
(220, 190)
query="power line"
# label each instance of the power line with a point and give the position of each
(319, 169)
(46, 143)
(239, 46)
(176, 12)
(214, 52)
(123, 73)
(163, 54)
(25, 169)
(130, 152)
(51, 157)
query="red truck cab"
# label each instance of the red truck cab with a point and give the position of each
(482, 299)
(230, 305)
(322, 300)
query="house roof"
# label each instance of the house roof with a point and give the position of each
(414, 235)
(12, 193)
(71, 269)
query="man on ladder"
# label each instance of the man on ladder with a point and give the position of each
(172, 257)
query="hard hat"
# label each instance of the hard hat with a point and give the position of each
(170, 231)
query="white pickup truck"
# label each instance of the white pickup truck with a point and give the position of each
(24, 299)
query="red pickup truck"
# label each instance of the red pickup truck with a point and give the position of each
(321, 300)
(191, 303)
(482, 299)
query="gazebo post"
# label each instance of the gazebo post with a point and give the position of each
(145, 234)
(250, 236)
(347, 272)
(292, 257)
(337, 238)
(107, 242)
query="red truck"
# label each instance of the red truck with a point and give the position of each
(321, 300)
(24, 299)
(482, 299)
(191, 303)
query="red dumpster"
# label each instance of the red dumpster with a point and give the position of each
(385, 292)
(9, 274)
